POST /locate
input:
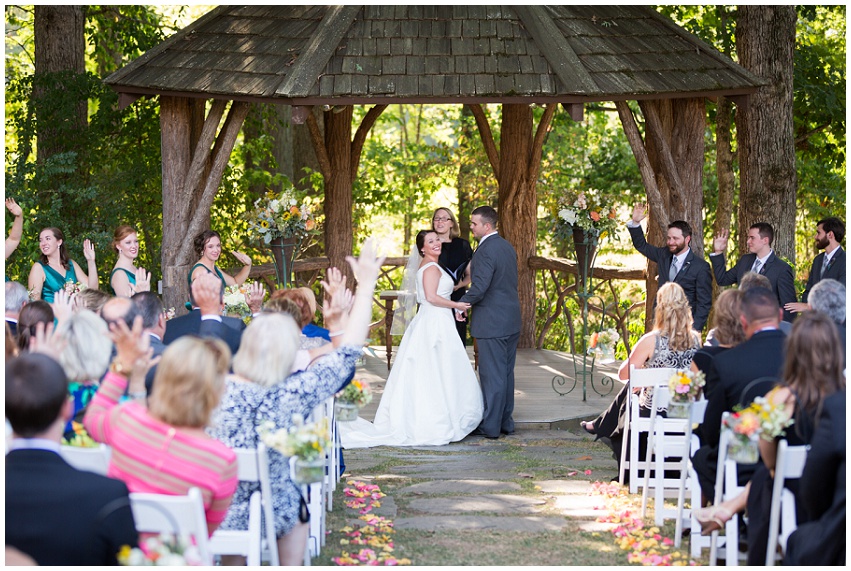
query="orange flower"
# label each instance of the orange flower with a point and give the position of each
(612, 213)
(595, 216)
(294, 210)
(309, 224)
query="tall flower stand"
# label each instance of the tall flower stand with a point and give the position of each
(585, 242)
(284, 250)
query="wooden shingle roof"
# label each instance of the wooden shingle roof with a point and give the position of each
(306, 55)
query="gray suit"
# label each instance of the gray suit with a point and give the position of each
(495, 323)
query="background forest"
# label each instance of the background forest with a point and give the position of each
(74, 160)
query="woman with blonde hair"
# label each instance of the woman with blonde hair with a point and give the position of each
(164, 449)
(671, 343)
(262, 389)
(126, 279)
(84, 358)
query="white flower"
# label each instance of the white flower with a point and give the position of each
(567, 215)
(581, 203)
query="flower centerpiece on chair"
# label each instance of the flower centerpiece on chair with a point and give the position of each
(351, 399)
(762, 419)
(602, 343)
(304, 441)
(81, 438)
(684, 387)
(161, 550)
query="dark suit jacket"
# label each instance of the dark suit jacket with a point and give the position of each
(59, 515)
(778, 272)
(695, 277)
(821, 541)
(229, 330)
(158, 347)
(13, 327)
(836, 271)
(730, 373)
(493, 291)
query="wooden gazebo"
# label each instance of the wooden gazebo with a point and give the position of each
(340, 56)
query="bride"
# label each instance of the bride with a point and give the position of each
(432, 396)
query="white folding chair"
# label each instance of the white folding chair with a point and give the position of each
(726, 487)
(790, 466)
(258, 542)
(90, 459)
(635, 424)
(670, 438)
(181, 515)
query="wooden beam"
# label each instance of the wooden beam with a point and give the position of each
(538, 143)
(575, 110)
(556, 50)
(360, 136)
(648, 177)
(311, 63)
(201, 152)
(300, 113)
(487, 138)
(655, 130)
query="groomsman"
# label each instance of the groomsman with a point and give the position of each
(761, 260)
(677, 263)
(828, 264)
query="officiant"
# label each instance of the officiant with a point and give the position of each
(455, 257)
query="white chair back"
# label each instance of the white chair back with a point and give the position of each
(790, 466)
(635, 424)
(90, 459)
(182, 515)
(726, 487)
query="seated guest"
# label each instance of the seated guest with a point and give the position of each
(726, 327)
(311, 329)
(828, 297)
(732, 372)
(148, 305)
(813, 370)
(32, 313)
(85, 358)
(307, 311)
(260, 390)
(821, 492)
(163, 449)
(671, 343)
(16, 298)
(56, 514)
(91, 299)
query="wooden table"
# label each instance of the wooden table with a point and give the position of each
(388, 297)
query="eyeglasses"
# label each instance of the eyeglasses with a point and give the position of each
(444, 219)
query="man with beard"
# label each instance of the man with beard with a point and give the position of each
(677, 263)
(828, 264)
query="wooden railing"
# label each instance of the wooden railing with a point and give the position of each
(559, 276)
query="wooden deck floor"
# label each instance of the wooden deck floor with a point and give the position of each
(536, 403)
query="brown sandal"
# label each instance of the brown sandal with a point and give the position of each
(711, 519)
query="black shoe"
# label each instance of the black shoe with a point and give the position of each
(586, 426)
(480, 432)
(505, 432)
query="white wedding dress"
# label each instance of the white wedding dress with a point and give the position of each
(432, 396)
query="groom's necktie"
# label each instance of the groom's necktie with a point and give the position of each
(673, 272)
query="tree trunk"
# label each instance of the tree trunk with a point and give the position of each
(466, 174)
(724, 164)
(338, 189)
(60, 46)
(765, 40)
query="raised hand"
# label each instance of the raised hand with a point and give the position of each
(63, 305)
(639, 212)
(242, 258)
(333, 283)
(719, 244)
(368, 265)
(131, 344)
(13, 207)
(254, 297)
(89, 251)
(143, 281)
(47, 342)
(207, 293)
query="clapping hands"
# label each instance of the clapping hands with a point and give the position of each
(143, 281)
(719, 244)
(254, 297)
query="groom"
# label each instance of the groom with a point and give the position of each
(495, 322)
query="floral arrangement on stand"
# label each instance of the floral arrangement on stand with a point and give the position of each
(281, 216)
(81, 438)
(583, 212)
(762, 419)
(235, 303)
(162, 550)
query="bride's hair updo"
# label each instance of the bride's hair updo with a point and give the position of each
(421, 241)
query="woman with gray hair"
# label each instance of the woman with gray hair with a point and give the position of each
(262, 390)
(85, 359)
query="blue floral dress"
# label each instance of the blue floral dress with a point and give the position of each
(246, 406)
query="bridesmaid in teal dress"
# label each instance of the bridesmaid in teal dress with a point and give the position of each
(126, 279)
(208, 245)
(54, 268)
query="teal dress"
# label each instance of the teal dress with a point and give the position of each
(189, 279)
(130, 276)
(54, 281)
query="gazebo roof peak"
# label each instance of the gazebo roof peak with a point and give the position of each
(307, 55)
